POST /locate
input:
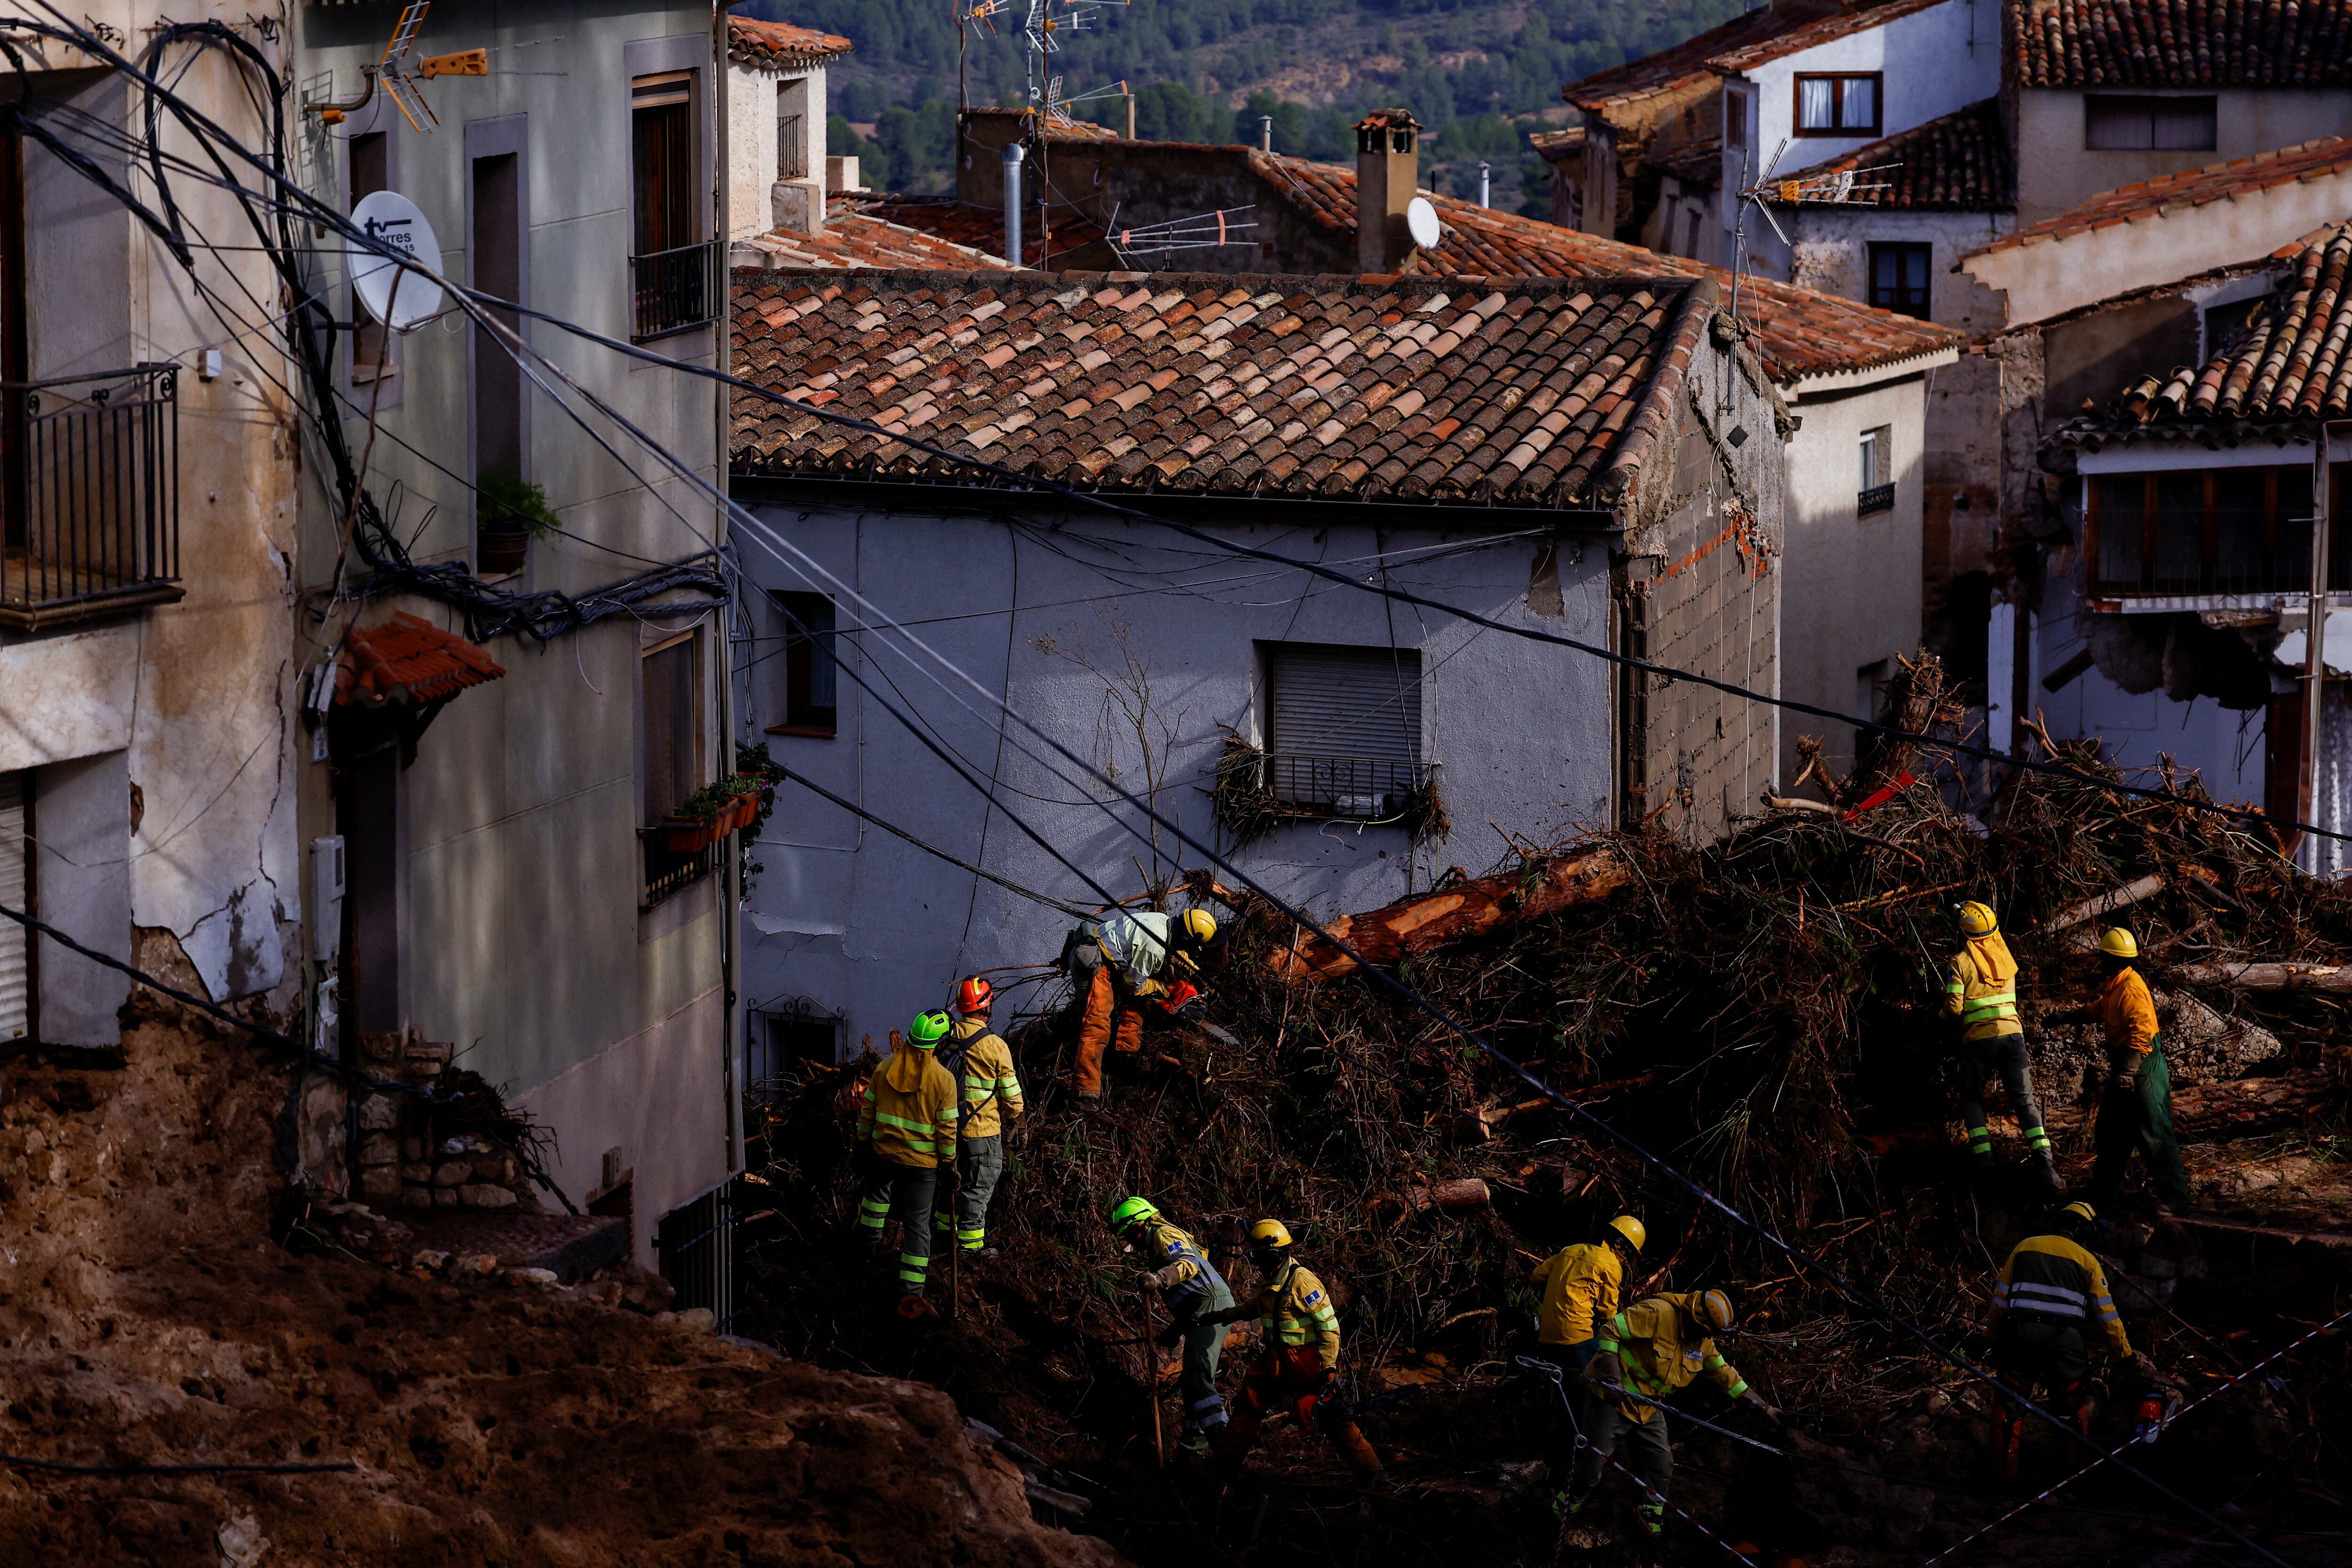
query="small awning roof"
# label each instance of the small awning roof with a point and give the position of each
(408, 660)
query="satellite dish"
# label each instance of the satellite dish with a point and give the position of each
(1420, 221)
(400, 298)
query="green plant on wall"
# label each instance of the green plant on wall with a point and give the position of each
(504, 502)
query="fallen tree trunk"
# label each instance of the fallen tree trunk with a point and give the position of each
(1462, 912)
(2131, 893)
(1458, 1197)
(2251, 977)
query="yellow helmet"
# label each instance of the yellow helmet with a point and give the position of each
(2118, 942)
(2082, 1211)
(1267, 1234)
(1977, 919)
(1712, 1309)
(1637, 1235)
(1200, 925)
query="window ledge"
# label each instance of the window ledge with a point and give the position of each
(811, 731)
(40, 617)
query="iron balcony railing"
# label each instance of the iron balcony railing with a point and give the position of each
(1877, 498)
(88, 466)
(675, 290)
(1367, 788)
(666, 871)
(792, 149)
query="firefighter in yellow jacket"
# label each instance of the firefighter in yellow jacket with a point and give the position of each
(982, 1063)
(906, 1134)
(1980, 992)
(2052, 1291)
(1298, 1368)
(1581, 1287)
(2136, 1112)
(1653, 1349)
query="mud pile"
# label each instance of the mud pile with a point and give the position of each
(148, 1318)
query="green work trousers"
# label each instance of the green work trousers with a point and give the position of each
(2140, 1118)
(980, 1163)
(2005, 1057)
(905, 1191)
(1649, 1452)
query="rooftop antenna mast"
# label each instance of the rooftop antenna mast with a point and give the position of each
(1042, 22)
(1204, 231)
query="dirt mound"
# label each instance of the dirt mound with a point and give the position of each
(147, 1317)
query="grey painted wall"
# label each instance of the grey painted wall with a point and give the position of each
(2056, 172)
(869, 927)
(81, 827)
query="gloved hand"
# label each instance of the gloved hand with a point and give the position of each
(2123, 1072)
(1154, 1279)
(1761, 1405)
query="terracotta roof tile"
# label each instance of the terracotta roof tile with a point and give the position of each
(773, 44)
(2194, 188)
(1559, 146)
(1554, 387)
(408, 660)
(2179, 43)
(1958, 162)
(1687, 61)
(978, 228)
(1778, 46)
(2292, 359)
(854, 238)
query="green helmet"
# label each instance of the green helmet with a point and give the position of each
(928, 1030)
(1131, 1211)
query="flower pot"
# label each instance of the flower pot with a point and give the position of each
(684, 835)
(747, 811)
(498, 551)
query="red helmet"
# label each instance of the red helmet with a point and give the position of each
(975, 994)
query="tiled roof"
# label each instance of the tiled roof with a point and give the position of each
(1778, 46)
(979, 228)
(1800, 332)
(750, 42)
(1559, 146)
(407, 660)
(1527, 394)
(1958, 162)
(856, 238)
(1696, 163)
(2179, 43)
(2292, 360)
(1687, 60)
(2216, 182)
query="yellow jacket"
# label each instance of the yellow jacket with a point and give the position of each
(1981, 989)
(909, 1110)
(1646, 1338)
(2128, 1012)
(989, 1084)
(1581, 1288)
(1295, 1310)
(2049, 1278)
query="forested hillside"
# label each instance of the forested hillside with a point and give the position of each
(1476, 71)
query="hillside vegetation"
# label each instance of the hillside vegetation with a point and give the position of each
(1478, 72)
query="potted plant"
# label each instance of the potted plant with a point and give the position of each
(510, 511)
(693, 822)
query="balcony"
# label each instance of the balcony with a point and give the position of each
(1357, 788)
(2208, 535)
(91, 524)
(675, 290)
(1877, 498)
(668, 872)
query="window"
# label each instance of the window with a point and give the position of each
(372, 352)
(495, 253)
(2209, 531)
(2136, 122)
(671, 270)
(670, 732)
(1344, 728)
(793, 1036)
(1735, 119)
(792, 129)
(1837, 105)
(1898, 278)
(808, 665)
(1690, 233)
(16, 943)
(1877, 489)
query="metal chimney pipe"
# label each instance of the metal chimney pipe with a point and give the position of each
(1013, 153)
(1265, 133)
(1483, 187)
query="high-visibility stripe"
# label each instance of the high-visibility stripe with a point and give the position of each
(904, 1125)
(1735, 1392)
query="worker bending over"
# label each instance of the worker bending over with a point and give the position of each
(2049, 1289)
(1652, 1349)
(1299, 1368)
(1192, 1291)
(1981, 992)
(982, 1065)
(2136, 1112)
(1581, 1288)
(906, 1134)
(1119, 963)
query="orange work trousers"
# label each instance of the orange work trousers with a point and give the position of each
(1292, 1379)
(1106, 1015)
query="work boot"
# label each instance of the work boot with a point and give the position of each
(2045, 1171)
(1653, 1516)
(1194, 1442)
(913, 1308)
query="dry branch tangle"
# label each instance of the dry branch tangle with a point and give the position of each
(1462, 912)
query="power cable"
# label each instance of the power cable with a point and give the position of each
(930, 849)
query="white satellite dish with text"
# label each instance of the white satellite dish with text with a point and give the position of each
(400, 298)
(1420, 221)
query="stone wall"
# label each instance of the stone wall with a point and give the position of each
(411, 1155)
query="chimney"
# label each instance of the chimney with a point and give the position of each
(1388, 163)
(1013, 153)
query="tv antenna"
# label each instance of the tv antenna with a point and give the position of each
(401, 69)
(1205, 231)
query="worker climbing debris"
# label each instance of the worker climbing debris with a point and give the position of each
(1298, 1368)
(2136, 1111)
(2049, 1291)
(1118, 963)
(1581, 1285)
(906, 1137)
(1981, 992)
(1194, 1292)
(990, 1089)
(1644, 1354)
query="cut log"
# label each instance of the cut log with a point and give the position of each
(2251, 977)
(2131, 893)
(1462, 912)
(1458, 1197)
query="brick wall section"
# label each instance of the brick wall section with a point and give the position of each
(1698, 590)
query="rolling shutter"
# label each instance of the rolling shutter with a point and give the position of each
(15, 940)
(1345, 702)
